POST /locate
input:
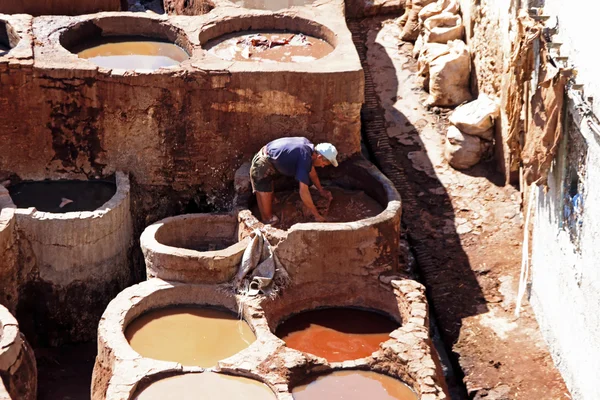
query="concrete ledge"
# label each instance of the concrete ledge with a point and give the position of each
(166, 247)
(18, 370)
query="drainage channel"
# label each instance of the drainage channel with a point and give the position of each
(380, 152)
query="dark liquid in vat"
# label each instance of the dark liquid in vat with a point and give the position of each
(353, 385)
(47, 196)
(189, 335)
(336, 334)
(272, 5)
(125, 52)
(238, 47)
(206, 385)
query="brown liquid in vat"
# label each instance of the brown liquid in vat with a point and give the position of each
(124, 52)
(272, 5)
(237, 47)
(353, 385)
(211, 386)
(346, 206)
(336, 334)
(189, 335)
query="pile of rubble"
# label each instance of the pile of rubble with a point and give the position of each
(444, 67)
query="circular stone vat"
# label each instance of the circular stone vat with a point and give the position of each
(265, 39)
(361, 238)
(130, 43)
(212, 386)
(18, 371)
(189, 335)
(78, 255)
(193, 248)
(8, 37)
(337, 334)
(119, 366)
(62, 196)
(353, 385)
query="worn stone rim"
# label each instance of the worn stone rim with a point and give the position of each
(148, 240)
(122, 192)
(103, 25)
(392, 209)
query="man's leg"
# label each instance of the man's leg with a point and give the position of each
(265, 205)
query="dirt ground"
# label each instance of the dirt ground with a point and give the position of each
(465, 227)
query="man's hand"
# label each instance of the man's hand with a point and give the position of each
(326, 194)
(319, 218)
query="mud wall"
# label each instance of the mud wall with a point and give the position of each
(187, 127)
(59, 7)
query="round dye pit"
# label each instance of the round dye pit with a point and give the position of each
(62, 196)
(346, 206)
(212, 386)
(336, 334)
(272, 5)
(353, 385)
(132, 52)
(194, 248)
(192, 336)
(268, 47)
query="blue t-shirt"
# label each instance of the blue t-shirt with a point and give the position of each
(292, 156)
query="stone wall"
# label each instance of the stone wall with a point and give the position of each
(9, 276)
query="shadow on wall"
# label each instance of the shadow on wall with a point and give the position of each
(444, 267)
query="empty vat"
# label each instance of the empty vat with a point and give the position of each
(18, 372)
(59, 7)
(212, 386)
(196, 336)
(337, 333)
(193, 248)
(353, 385)
(127, 43)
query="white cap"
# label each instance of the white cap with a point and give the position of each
(328, 151)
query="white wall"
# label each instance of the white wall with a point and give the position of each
(566, 282)
(578, 31)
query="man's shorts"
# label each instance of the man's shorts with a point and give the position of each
(262, 173)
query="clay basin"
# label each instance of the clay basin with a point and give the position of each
(362, 243)
(193, 248)
(171, 325)
(127, 43)
(268, 40)
(212, 385)
(8, 37)
(353, 385)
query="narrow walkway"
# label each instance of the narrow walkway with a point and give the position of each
(465, 228)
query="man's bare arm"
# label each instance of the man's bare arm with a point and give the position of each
(308, 202)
